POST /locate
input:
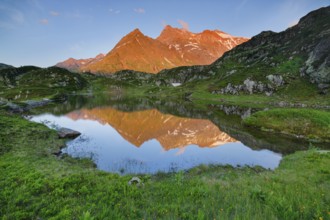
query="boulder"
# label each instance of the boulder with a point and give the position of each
(135, 181)
(68, 133)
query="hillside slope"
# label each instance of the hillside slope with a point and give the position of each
(29, 82)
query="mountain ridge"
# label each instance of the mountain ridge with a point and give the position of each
(172, 48)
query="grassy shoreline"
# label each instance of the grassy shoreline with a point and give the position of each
(310, 124)
(36, 184)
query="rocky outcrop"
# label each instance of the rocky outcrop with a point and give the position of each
(68, 133)
(249, 86)
(317, 66)
(23, 106)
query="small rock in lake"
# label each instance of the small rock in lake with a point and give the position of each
(68, 133)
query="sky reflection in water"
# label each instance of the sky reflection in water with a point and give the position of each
(149, 141)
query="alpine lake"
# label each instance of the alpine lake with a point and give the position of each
(143, 136)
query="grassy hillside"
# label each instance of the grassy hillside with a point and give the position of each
(30, 82)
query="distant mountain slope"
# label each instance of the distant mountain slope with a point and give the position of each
(74, 65)
(174, 47)
(29, 82)
(4, 66)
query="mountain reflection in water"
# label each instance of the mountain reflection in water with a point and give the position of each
(170, 131)
(148, 141)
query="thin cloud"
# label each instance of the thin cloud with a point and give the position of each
(113, 11)
(140, 10)
(54, 13)
(184, 25)
(44, 21)
(11, 17)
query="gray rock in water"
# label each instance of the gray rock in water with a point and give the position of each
(68, 133)
(14, 108)
(37, 103)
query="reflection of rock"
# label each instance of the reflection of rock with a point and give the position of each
(236, 110)
(171, 131)
(68, 133)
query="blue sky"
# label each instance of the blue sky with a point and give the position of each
(44, 32)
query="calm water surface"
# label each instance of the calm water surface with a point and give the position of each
(148, 141)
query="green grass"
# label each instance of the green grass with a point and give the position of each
(308, 123)
(36, 184)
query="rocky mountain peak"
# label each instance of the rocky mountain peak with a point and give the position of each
(319, 14)
(99, 56)
(174, 47)
(135, 33)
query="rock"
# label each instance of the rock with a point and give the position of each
(35, 103)
(276, 80)
(135, 181)
(269, 93)
(232, 72)
(282, 104)
(323, 86)
(175, 84)
(68, 133)
(260, 87)
(58, 153)
(249, 85)
(14, 108)
(318, 63)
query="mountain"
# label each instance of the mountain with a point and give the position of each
(170, 131)
(174, 47)
(5, 66)
(137, 52)
(201, 48)
(74, 65)
(294, 62)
